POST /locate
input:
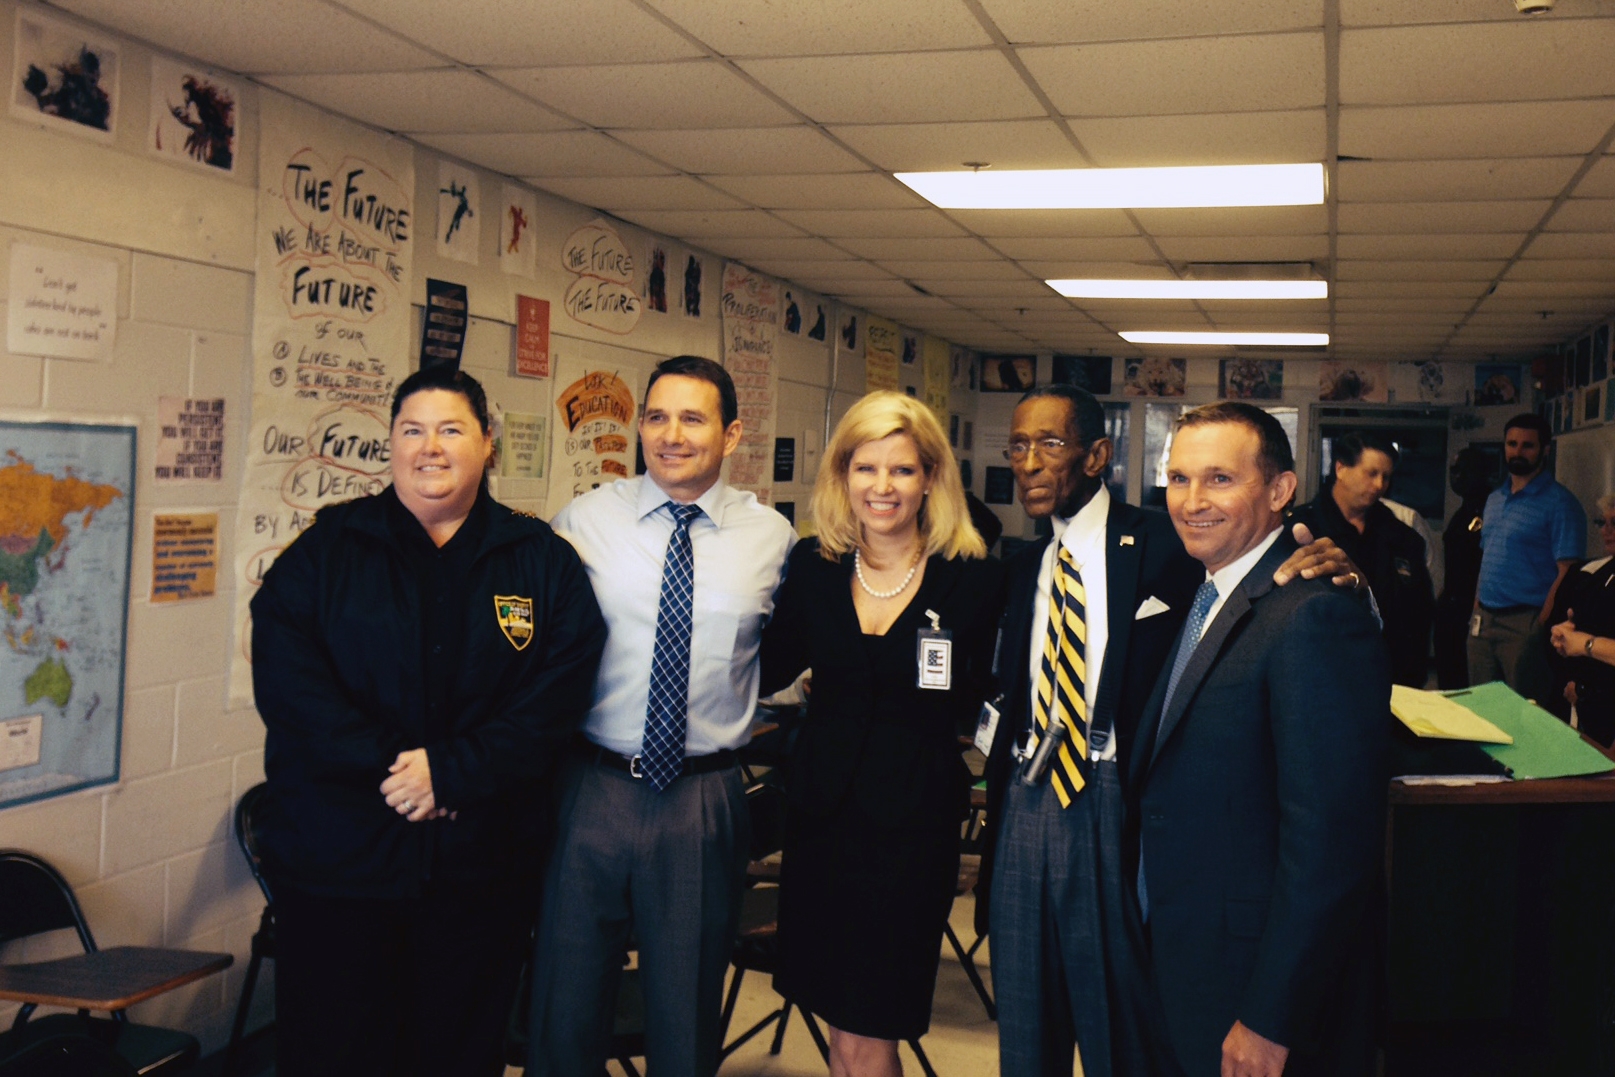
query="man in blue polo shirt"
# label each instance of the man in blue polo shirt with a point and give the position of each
(1532, 532)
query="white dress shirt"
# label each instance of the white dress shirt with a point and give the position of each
(621, 532)
(1084, 536)
(1233, 574)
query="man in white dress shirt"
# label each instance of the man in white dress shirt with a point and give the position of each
(653, 829)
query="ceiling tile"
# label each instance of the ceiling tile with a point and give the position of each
(784, 248)
(1523, 60)
(1045, 222)
(554, 153)
(849, 190)
(1413, 12)
(1061, 22)
(1182, 75)
(1403, 319)
(863, 223)
(712, 224)
(1573, 288)
(1375, 287)
(254, 38)
(938, 147)
(657, 97)
(935, 87)
(641, 192)
(423, 101)
(1599, 182)
(1565, 269)
(1298, 321)
(745, 150)
(920, 272)
(964, 290)
(1430, 132)
(762, 28)
(1457, 180)
(1257, 221)
(1426, 218)
(1108, 249)
(1231, 138)
(1417, 271)
(891, 287)
(805, 269)
(519, 33)
(1569, 245)
(929, 248)
(1013, 305)
(1245, 248)
(1584, 215)
(1430, 247)
(1449, 305)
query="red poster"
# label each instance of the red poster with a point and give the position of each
(532, 337)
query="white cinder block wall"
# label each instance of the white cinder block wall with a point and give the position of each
(152, 857)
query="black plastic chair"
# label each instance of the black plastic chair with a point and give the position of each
(263, 940)
(72, 1055)
(35, 899)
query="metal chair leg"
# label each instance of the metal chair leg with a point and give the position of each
(970, 970)
(729, 1002)
(818, 1037)
(239, 1027)
(779, 1032)
(919, 1053)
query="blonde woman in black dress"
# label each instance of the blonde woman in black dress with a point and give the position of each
(894, 607)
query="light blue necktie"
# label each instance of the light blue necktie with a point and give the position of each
(662, 756)
(1204, 599)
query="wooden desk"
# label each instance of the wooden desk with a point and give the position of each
(112, 979)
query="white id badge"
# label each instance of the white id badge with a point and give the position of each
(1474, 625)
(935, 659)
(986, 728)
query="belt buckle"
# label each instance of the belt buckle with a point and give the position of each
(633, 767)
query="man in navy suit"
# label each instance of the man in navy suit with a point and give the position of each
(1260, 773)
(1060, 901)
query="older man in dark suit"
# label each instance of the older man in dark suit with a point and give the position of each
(1260, 773)
(1065, 945)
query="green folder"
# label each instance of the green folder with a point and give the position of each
(1544, 747)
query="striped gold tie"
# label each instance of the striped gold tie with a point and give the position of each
(1060, 680)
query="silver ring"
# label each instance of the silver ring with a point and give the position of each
(409, 805)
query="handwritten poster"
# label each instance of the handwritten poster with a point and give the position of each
(459, 206)
(522, 454)
(882, 344)
(518, 248)
(532, 337)
(184, 556)
(602, 295)
(331, 318)
(594, 430)
(190, 440)
(938, 374)
(750, 325)
(194, 115)
(63, 305)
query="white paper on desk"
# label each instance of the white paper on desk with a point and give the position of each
(1431, 714)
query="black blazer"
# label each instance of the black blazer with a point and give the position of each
(871, 734)
(1261, 796)
(1143, 558)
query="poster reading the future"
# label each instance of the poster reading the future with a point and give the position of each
(330, 332)
(750, 326)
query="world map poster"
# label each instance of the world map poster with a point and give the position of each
(65, 539)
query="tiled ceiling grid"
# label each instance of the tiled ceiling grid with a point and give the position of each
(1472, 187)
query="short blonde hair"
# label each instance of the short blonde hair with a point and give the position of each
(944, 521)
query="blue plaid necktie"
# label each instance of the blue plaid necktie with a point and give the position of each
(662, 756)
(1203, 600)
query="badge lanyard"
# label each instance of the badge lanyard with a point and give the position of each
(934, 656)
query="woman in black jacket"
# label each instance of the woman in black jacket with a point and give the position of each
(895, 609)
(420, 657)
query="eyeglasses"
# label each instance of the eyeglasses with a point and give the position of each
(1018, 450)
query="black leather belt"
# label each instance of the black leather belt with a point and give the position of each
(693, 764)
(1507, 611)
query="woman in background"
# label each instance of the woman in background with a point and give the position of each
(1585, 639)
(894, 608)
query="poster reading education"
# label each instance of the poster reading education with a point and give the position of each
(593, 439)
(330, 331)
(750, 325)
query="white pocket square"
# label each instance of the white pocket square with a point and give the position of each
(1150, 607)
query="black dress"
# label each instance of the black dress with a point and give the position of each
(877, 789)
(1592, 596)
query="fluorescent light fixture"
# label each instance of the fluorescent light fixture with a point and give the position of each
(1274, 340)
(1122, 188)
(1191, 289)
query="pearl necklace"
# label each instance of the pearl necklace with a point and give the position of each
(858, 567)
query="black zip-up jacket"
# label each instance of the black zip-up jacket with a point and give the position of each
(336, 648)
